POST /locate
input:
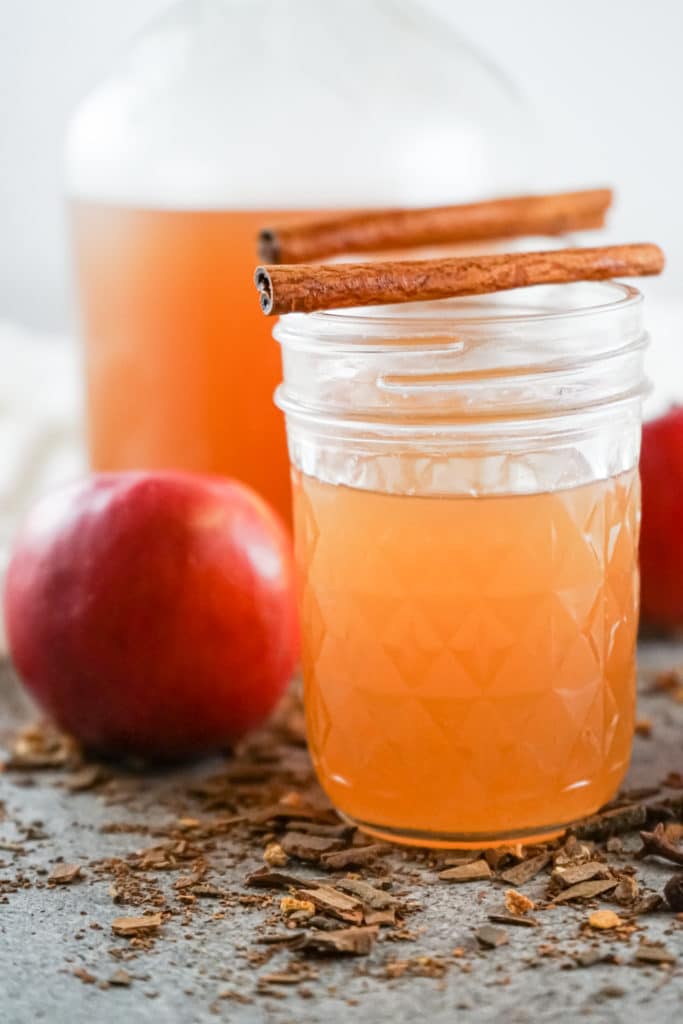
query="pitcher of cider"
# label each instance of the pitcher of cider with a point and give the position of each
(223, 116)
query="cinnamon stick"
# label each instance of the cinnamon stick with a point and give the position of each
(304, 289)
(374, 230)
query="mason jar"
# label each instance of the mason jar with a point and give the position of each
(467, 508)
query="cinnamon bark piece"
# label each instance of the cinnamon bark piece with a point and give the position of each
(306, 288)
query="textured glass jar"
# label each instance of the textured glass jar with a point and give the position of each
(467, 508)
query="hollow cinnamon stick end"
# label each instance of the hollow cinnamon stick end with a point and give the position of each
(264, 286)
(269, 248)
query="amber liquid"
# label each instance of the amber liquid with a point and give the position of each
(469, 662)
(180, 363)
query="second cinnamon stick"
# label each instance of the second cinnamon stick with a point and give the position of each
(374, 230)
(307, 288)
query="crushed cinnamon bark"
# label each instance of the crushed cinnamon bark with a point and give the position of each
(284, 813)
(590, 957)
(342, 941)
(416, 967)
(586, 890)
(500, 857)
(86, 778)
(282, 978)
(85, 976)
(308, 847)
(627, 891)
(322, 923)
(573, 851)
(475, 871)
(643, 727)
(120, 978)
(39, 747)
(612, 823)
(490, 937)
(178, 874)
(235, 997)
(568, 876)
(64, 874)
(290, 905)
(517, 920)
(526, 870)
(376, 899)
(321, 828)
(132, 926)
(354, 857)
(383, 918)
(11, 847)
(205, 891)
(329, 901)
(647, 903)
(264, 878)
(456, 857)
(654, 953)
(669, 681)
(280, 938)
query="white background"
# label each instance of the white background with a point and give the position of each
(605, 77)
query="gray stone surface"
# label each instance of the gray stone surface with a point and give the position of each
(46, 933)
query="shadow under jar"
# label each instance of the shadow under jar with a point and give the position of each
(467, 506)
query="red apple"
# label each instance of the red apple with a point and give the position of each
(661, 539)
(153, 614)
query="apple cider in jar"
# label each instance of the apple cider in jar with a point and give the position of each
(467, 507)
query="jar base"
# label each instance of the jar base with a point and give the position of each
(456, 840)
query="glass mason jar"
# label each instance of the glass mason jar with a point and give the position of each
(467, 508)
(221, 117)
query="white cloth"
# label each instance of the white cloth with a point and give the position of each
(40, 424)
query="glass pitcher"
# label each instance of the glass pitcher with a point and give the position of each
(223, 116)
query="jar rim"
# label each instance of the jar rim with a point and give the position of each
(467, 314)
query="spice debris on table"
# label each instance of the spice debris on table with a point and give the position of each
(325, 890)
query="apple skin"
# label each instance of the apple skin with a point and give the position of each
(661, 537)
(153, 614)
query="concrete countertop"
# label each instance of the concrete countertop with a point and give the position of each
(58, 953)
